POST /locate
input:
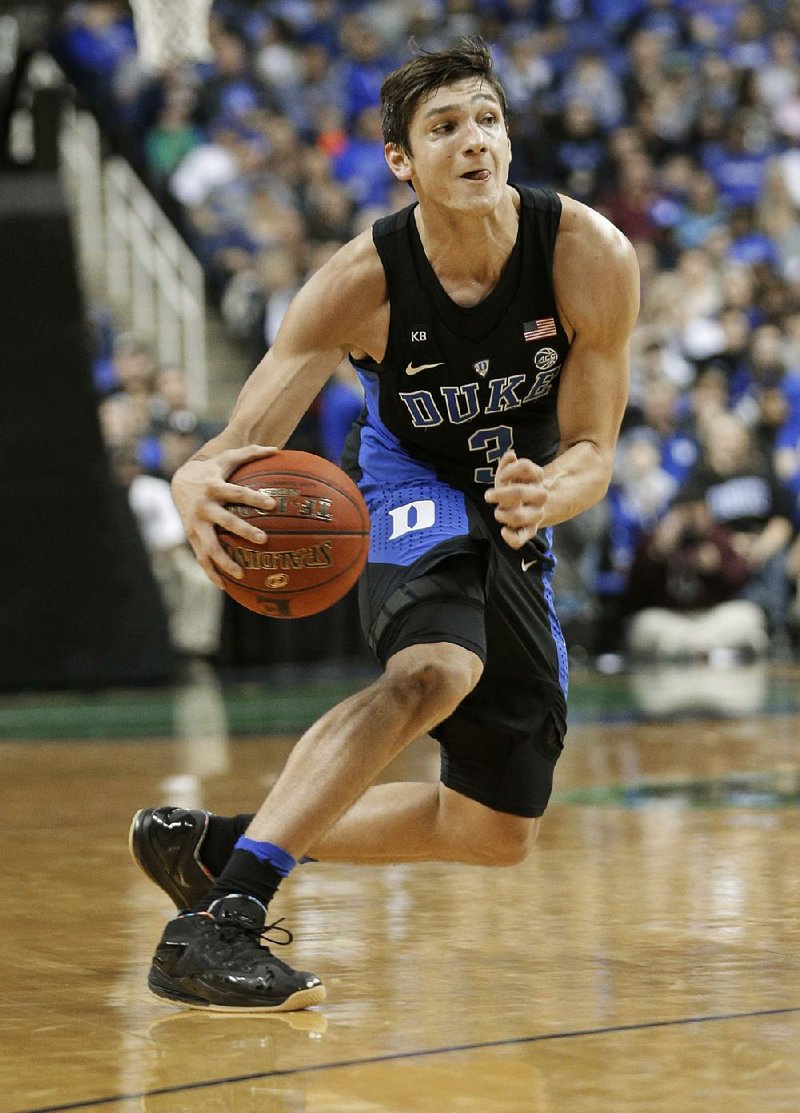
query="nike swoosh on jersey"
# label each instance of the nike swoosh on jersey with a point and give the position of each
(526, 564)
(412, 370)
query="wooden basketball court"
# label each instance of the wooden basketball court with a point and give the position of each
(646, 958)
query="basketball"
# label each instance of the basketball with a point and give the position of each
(317, 536)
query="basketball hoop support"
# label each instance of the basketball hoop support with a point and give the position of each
(169, 32)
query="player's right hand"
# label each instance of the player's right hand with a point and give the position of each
(519, 496)
(201, 492)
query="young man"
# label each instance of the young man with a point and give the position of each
(490, 326)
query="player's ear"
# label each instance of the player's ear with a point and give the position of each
(399, 162)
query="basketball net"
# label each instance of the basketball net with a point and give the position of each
(169, 32)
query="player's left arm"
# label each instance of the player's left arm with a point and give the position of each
(597, 289)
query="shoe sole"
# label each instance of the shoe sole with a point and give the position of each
(160, 878)
(302, 999)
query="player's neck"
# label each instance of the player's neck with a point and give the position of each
(468, 252)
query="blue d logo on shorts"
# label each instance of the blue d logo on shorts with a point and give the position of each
(409, 519)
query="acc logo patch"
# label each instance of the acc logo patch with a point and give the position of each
(545, 358)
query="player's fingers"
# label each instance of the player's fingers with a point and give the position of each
(517, 494)
(221, 562)
(506, 494)
(231, 494)
(513, 471)
(516, 516)
(516, 538)
(503, 508)
(229, 520)
(210, 570)
(506, 460)
(232, 458)
(211, 557)
(520, 471)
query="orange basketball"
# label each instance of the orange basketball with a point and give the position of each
(317, 536)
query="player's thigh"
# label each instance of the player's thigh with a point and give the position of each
(438, 599)
(425, 579)
(501, 744)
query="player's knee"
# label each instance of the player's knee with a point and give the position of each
(484, 836)
(437, 683)
(506, 843)
(454, 678)
(515, 844)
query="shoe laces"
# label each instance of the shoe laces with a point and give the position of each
(238, 936)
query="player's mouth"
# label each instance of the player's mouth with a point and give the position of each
(477, 175)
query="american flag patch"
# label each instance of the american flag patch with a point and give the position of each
(537, 330)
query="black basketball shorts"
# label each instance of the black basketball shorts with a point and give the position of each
(501, 744)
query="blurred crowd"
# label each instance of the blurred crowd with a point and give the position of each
(678, 119)
(150, 429)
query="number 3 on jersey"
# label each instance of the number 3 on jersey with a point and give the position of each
(494, 442)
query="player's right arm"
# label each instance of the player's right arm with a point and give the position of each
(342, 308)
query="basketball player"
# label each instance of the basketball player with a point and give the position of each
(490, 326)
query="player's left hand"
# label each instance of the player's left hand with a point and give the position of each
(519, 496)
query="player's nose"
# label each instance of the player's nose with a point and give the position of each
(474, 139)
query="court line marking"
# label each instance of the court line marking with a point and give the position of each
(425, 1052)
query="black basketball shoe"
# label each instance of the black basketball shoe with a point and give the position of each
(215, 960)
(165, 843)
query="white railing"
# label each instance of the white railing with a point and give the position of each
(132, 255)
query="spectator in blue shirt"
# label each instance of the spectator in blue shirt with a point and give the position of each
(230, 91)
(737, 170)
(577, 152)
(361, 166)
(97, 37)
(591, 80)
(364, 66)
(339, 404)
(749, 245)
(748, 48)
(658, 417)
(702, 214)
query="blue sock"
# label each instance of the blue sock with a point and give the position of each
(254, 868)
(280, 860)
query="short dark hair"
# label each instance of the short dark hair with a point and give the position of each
(428, 71)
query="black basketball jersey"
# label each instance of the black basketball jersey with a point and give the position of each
(459, 386)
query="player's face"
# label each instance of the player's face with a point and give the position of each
(459, 148)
